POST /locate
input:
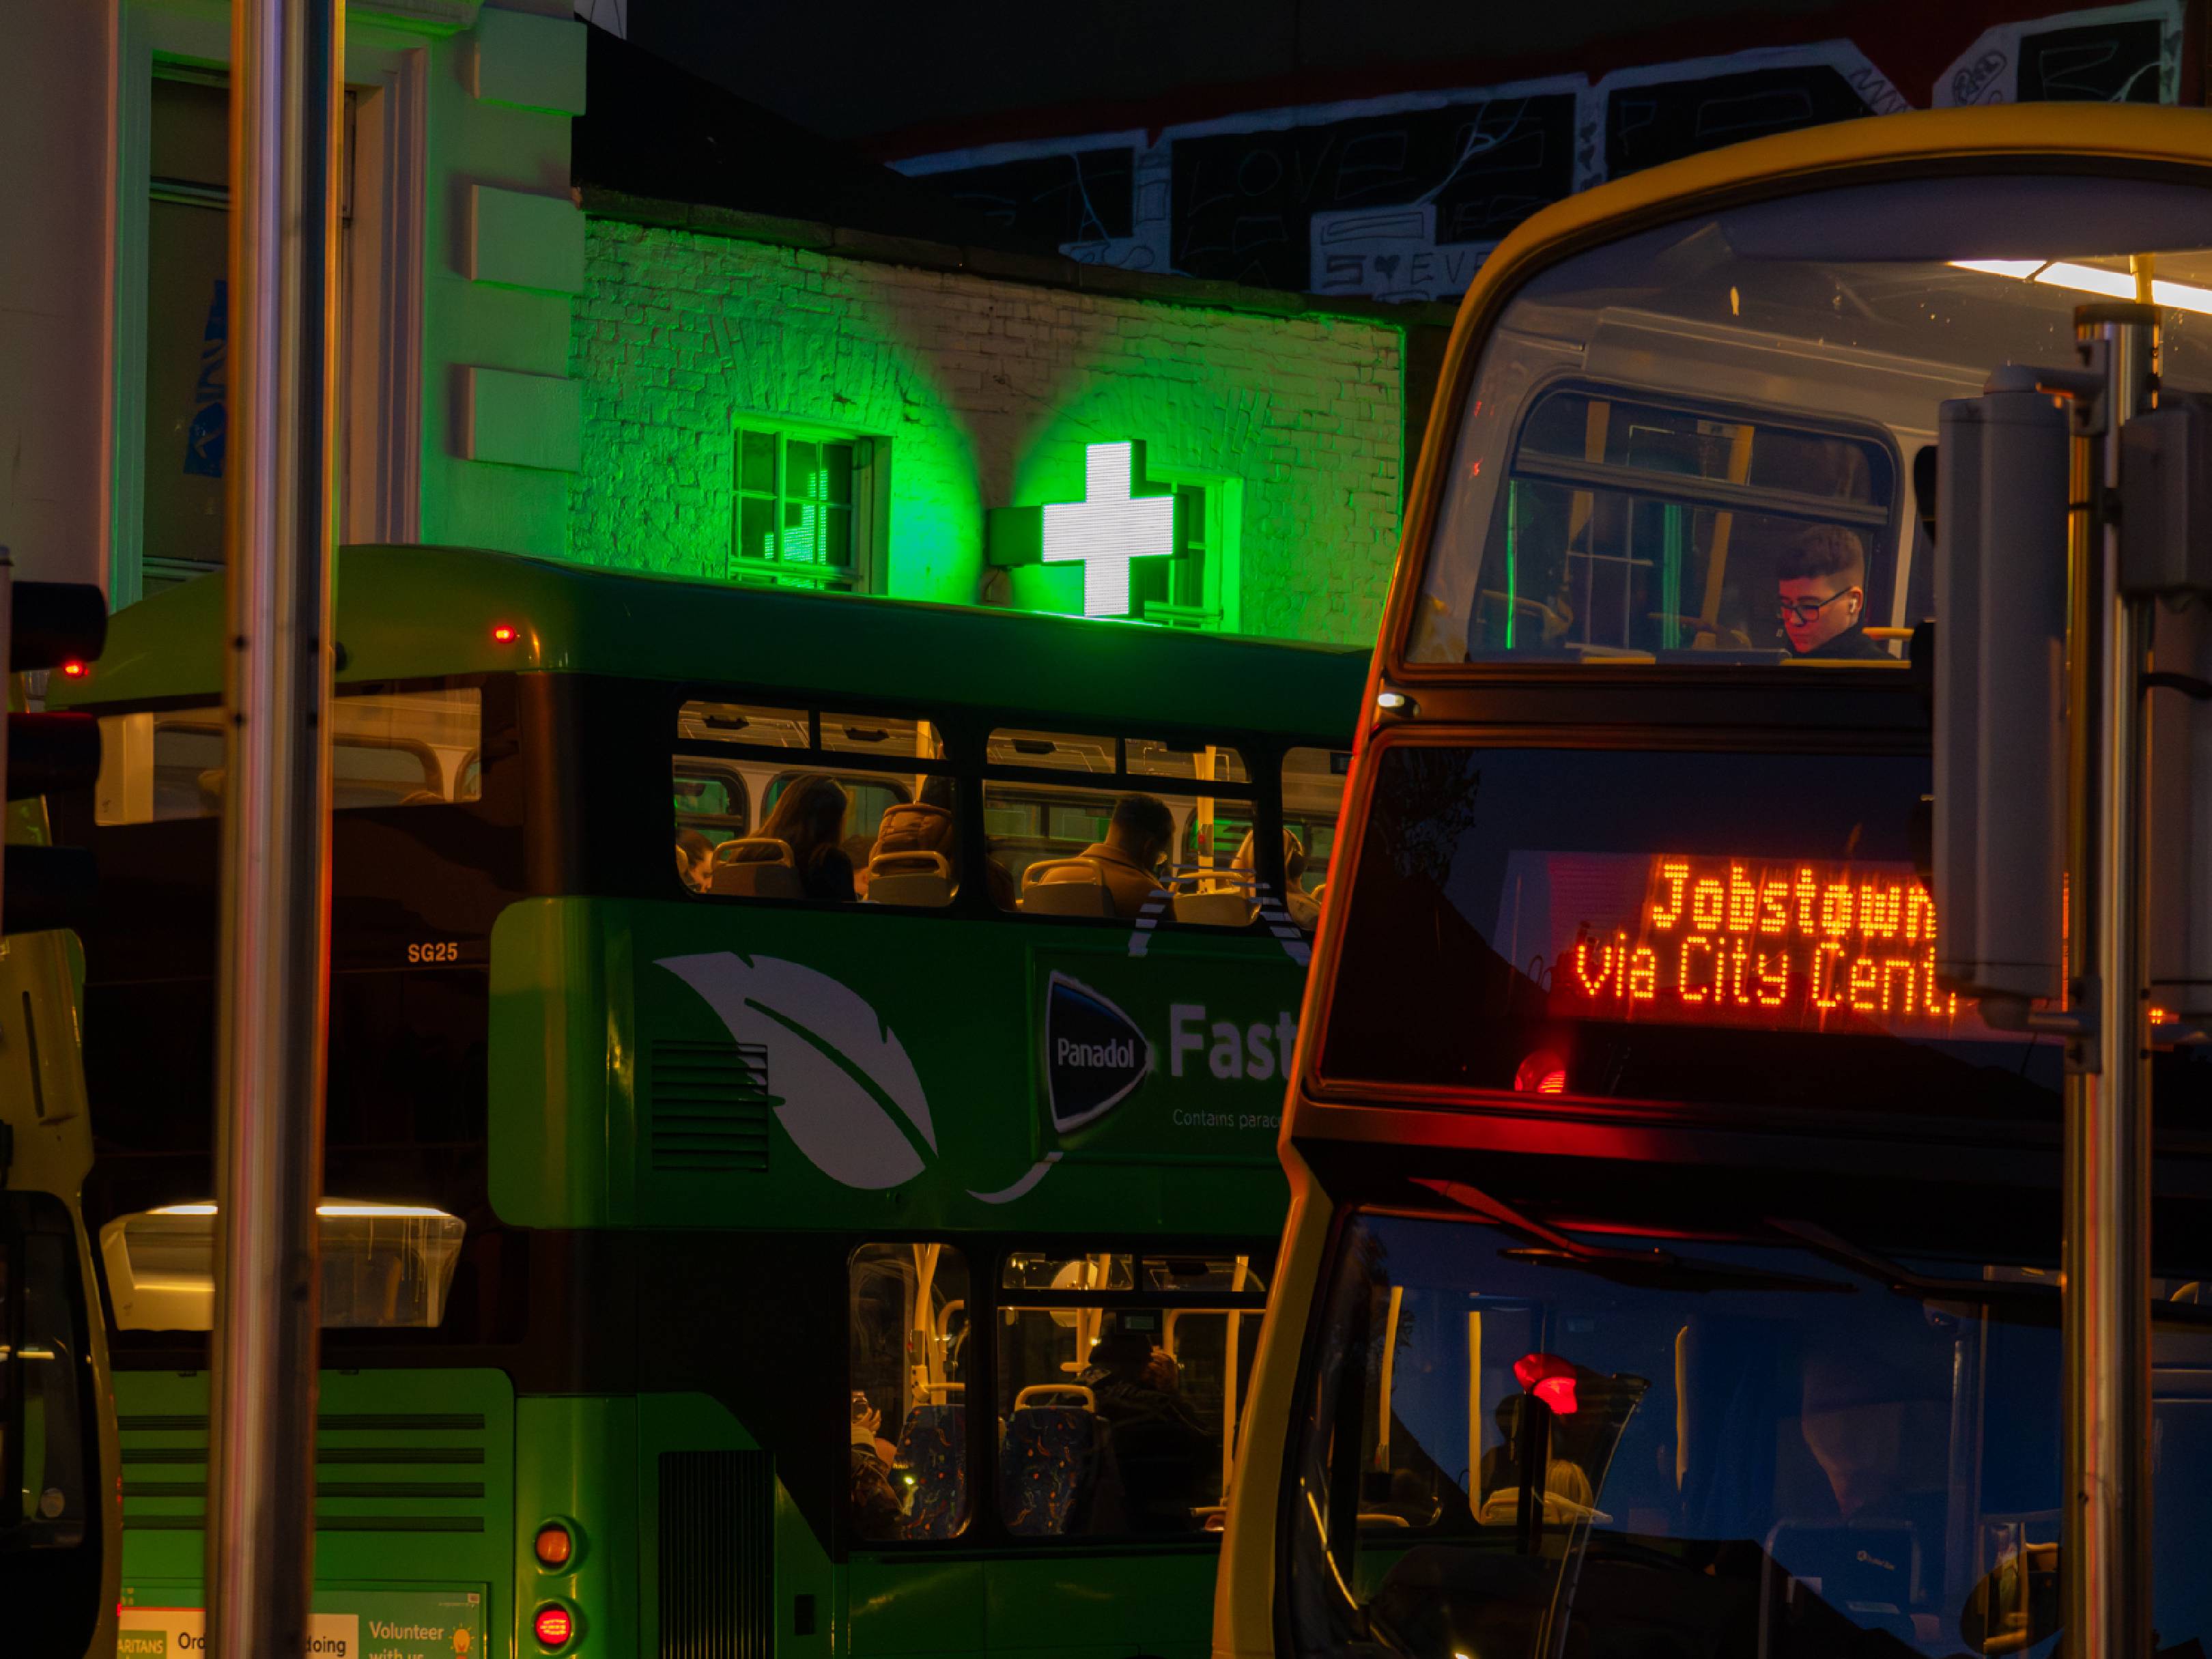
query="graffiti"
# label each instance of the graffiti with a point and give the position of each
(2111, 54)
(1402, 197)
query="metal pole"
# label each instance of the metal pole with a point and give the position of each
(2105, 1583)
(287, 81)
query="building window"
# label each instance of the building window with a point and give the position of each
(187, 323)
(187, 404)
(803, 516)
(1195, 588)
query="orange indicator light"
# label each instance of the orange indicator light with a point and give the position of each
(554, 1546)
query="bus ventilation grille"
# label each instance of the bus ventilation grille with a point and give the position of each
(717, 1555)
(710, 1106)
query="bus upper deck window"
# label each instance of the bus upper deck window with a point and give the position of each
(787, 804)
(388, 748)
(1687, 446)
(1107, 828)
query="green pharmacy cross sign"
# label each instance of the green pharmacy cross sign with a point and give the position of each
(1120, 519)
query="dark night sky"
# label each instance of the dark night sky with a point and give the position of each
(913, 76)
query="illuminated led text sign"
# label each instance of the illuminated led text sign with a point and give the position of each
(1795, 945)
(1118, 520)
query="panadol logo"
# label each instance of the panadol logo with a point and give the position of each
(1095, 1056)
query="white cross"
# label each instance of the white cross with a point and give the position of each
(1108, 527)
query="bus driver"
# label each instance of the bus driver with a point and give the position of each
(1820, 578)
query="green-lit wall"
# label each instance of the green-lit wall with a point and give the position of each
(986, 392)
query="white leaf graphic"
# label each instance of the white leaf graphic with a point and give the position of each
(836, 1122)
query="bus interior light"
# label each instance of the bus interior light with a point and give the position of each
(553, 1626)
(1392, 701)
(553, 1545)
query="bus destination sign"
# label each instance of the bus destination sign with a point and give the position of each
(1774, 944)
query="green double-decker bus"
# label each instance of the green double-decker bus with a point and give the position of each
(804, 1086)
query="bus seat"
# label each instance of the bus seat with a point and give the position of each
(915, 878)
(1081, 892)
(1038, 1392)
(755, 866)
(1223, 908)
(932, 1449)
(1049, 1467)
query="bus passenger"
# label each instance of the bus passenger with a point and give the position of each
(1159, 1445)
(1138, 837)
(875, 1510)
(931, 824)
(1821, 581)
(809, 818)
(695, 860)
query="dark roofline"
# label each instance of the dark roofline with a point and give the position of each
(1053, 271)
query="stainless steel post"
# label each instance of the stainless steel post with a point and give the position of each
(2105, 1561)
(286, 85)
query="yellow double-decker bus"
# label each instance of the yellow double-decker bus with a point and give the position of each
(60, 1513)
(1672, 1262)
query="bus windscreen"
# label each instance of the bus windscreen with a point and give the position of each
(1723, 928)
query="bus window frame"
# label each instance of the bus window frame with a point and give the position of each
(964, 730)
(1262, 762)
(1687, 487)
(498, 739)
(779, 760)
(1501, 282)
(986, 1536)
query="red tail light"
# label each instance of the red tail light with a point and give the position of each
(553, 1545)
(553, 1626)
(1550, 1378)
(505, 633)
(1542, 1073)
(74, 669)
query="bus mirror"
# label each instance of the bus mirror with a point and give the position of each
(2180, 809)
(1999, 849)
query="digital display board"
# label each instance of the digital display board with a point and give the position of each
(1794, 945)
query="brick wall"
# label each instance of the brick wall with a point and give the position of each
(987, 391)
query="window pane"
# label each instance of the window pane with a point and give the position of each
(1117, 1420)
(1059, 750)
(1313, 795)
(756, 462)
(836, 545)
(837, 473)
(1060, 852)
(387, 749)
(1192, 762)
(884, 736)
(908, 1326)
(817, 831)
(186, 373)
(759, 724)
(757, 527)
(802, 470)
(190, 138)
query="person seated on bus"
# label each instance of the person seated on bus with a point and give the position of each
(1160, 1448)
(1820, 582)
(809, 818)
(931, 824)
(877, 1512)
(695, 860)
(1304, 908)
(1138, 837)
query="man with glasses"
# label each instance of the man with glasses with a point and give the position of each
(1821, 578)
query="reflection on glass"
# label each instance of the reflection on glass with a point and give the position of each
(1742, 1448)
(1656, 425)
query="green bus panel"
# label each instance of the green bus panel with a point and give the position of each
(415, 1490)
(678, 1065)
